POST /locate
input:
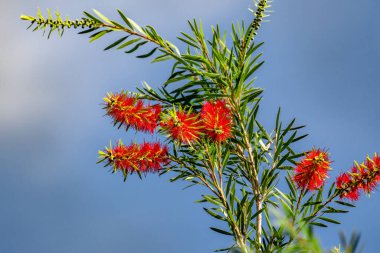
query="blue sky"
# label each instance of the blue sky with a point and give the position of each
(322, 67)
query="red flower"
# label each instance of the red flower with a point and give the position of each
(373, 166)
(217, 120)
(342, 180)
(351, 192)
(182, 126)
(311, 172)
(146, 157)
(131, 112)
(363, 177)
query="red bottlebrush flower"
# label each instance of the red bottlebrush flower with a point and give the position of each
(311, 172)
(182, 126)
(343, 182)
(146, 157)
(217, 120)
(365, 177)
(131, 112)
(373, 165)
(353, 194)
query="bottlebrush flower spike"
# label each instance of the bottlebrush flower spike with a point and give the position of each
(373, 166)
(182, 126)
(363, 177)
(311, 172)
(217, 120)
(146, 157)
(350, 191)
(131, 112)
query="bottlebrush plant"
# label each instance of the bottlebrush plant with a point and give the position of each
(206, 114)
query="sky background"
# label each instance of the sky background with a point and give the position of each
(322, 67)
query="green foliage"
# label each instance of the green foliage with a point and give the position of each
(243, 174)
(304, 240)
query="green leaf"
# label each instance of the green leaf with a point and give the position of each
(308, 218)
(116, 43)
(318, 224)
(117, 25)
(257, 213)
(125, 18)
(331, 189)
(299, 138)
(98, 35)
(188, 42)
(312, 203)
(221, 250)
(344, 203)
(291, 185)
(226, 158)
(221, 231)
(160, 58)
(213, 200)
(100, 15)
(329, 220)
(129, 42)
(230, 178)
(88, 30)
(334, 210)
(148, 54)
(284, 196)
(253, 70)
(136, 47)
(232, 193)
(136, 26)
(92, 17)
(215, 215)
(173, 47)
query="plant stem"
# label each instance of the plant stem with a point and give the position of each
(253, 174)
(298, 205)
(239, 238)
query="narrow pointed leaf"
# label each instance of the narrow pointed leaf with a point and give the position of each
(221, 231)
(148, 54)
(116, 43)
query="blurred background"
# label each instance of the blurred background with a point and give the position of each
(322, 67)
